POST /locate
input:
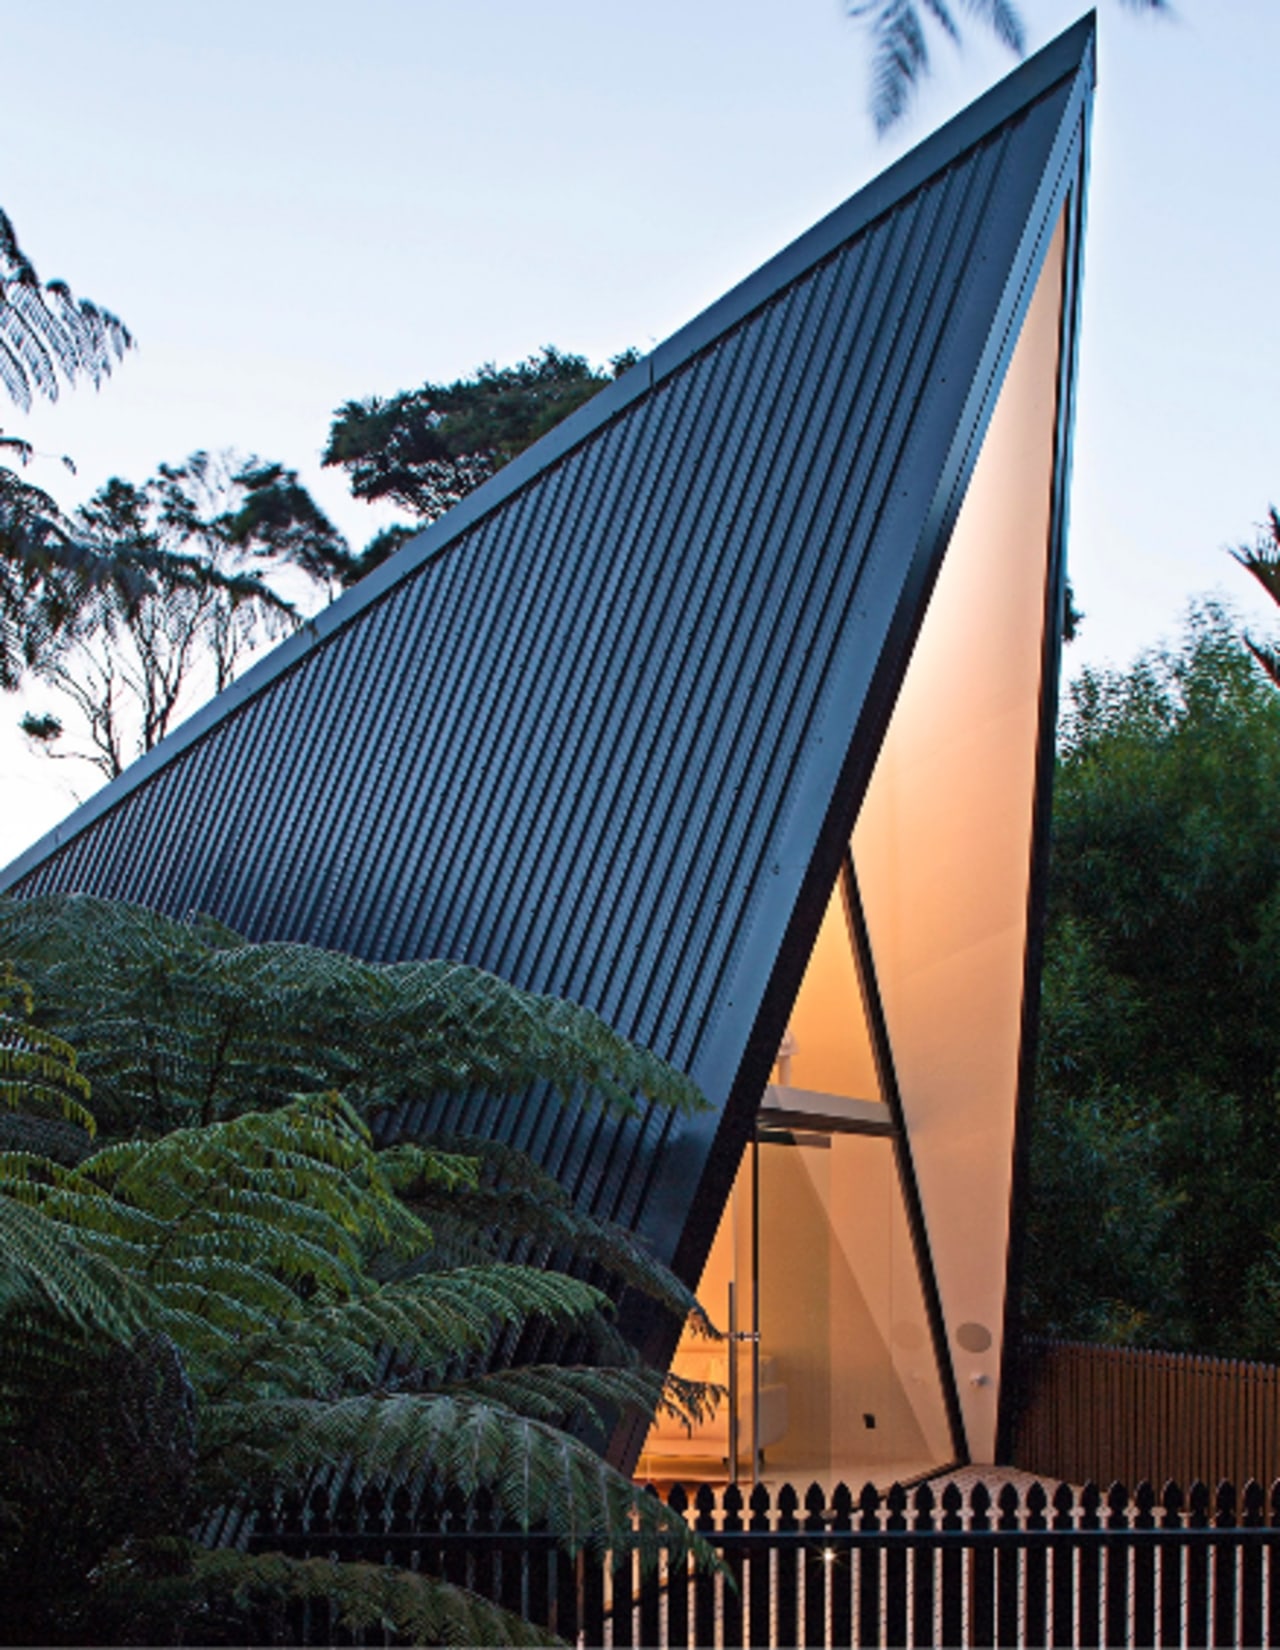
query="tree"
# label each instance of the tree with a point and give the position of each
(46, 336)
(1156, 1133)
(901, 31)
(46, 333)
(211, 1314)
(426, 449)
(210, 540)
(1262, 560)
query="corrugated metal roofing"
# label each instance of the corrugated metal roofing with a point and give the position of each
(601, 728)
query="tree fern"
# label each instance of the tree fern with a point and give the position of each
(900, 32)
(334, 1306)
(38, 1070)
(184, 1022)
(273, 1254)
(46, 333)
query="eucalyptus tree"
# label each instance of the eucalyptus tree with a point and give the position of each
(211, 545)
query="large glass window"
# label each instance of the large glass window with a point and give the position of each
(816, 1243)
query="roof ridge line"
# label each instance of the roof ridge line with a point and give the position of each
(1070, 53)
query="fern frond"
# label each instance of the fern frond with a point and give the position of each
(44, 330)
(41, 1265)
(428, 1321)
(38, 1070)
(418, 1608)
(539, 1475)
(572, 1396)
(182, 1022)
(514, 1207)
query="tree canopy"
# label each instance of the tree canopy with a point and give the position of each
(1156, 1130)
(426, 449)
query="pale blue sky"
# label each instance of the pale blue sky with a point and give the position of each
(295, 204)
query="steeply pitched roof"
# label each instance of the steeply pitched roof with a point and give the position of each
(604, 728)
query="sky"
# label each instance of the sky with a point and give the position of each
(292, 205)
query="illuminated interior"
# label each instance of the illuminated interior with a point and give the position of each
(943, 853)
(852, 1367)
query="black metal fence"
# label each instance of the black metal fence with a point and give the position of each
(1114, 1413)
(925, 1567)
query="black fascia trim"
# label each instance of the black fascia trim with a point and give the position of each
(776, 1117)
(735, 1122)
(1071, 53)
(1009, 1397)
(917, 1223)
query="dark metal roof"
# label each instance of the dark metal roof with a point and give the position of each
(602, 728)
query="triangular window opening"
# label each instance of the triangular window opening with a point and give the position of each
(827, 1053)
(815, 1239)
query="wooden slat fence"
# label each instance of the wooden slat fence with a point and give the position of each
(1110, 1414)
(914, 1568)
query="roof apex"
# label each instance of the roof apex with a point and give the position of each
(1070, 55)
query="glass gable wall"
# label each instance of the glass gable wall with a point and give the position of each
(898, 1091)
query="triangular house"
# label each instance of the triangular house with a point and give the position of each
(727, 709)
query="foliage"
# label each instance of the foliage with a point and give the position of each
(282, 1297)
(1262, 560)
(1156, 1135)
(900, 32)
(46, 335)
(210, 539)
(45, 331)
(428, 448)
(185, 1022)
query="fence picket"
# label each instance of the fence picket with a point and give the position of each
(923, 1590)
(1007, 1570)
(1225, 1588)
(733, 1588)
(870, 1596)
(704, 1584)
(1116, 1607)
(1198, 1569)
(982, 1572)
(760, 1580)
(815, 1568)
(894, 1569)
(787, 1570)
(1144, 1568)
(1171, 1569)
(677, 1582)
(952, 1570)
(841, 1583)
(1088, 1571)
(1253, 1515)
(1036, 1570)
(1064, 1568)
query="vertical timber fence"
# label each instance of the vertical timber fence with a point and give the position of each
(923, 1567)
(1109, 1413)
